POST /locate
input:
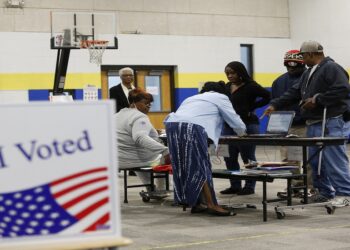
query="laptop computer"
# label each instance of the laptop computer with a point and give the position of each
(278, 124)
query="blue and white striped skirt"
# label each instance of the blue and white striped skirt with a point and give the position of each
(188, 146)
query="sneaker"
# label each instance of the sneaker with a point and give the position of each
(318, 198)
(295, 194)
(230, 190)
(246, 191)
(310, 193)
(341, 201)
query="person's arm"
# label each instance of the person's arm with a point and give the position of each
(140, 134)
(273, 89)
(263, 96)
(230, 116)
(338, 86)
(290, 97)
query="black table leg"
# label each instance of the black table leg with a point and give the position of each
(289, 192)
(305, 163)
(264, 202)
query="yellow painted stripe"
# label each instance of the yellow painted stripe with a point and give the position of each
(26, 81)
(266, 79)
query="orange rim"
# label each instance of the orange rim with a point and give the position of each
(88, 43)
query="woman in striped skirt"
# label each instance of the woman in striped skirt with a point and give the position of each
(198, 118)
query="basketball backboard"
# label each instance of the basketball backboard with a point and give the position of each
(69, 29)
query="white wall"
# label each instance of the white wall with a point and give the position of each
(326, 21)
(13, 96)
(190, 53)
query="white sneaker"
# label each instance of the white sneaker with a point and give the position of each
(341, 201)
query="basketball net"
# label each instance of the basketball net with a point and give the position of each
(96, 49)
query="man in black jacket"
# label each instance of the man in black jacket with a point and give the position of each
(325, 85)
(294, 63)
(120, 92)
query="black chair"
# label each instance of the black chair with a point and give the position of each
(153, 175)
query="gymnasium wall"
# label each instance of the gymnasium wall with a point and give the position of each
(197, 37)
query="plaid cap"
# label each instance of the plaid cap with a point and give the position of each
(293, 56)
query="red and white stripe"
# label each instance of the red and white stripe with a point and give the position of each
(85, 196)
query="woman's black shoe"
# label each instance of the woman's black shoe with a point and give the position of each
(218, 213)
(198, 209)
(246, 191)
(231, 190)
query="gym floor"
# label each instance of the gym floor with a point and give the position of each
(160, 225)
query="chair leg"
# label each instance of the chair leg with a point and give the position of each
(152, 180)
(125, 186)
(166, 176)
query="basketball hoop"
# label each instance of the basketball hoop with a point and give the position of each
(96, 49)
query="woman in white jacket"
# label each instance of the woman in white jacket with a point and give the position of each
(138, 143)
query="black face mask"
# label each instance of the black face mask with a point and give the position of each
(298, 70)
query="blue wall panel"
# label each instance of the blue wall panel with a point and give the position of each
(38, 95)
(182, 93)
(43, 94)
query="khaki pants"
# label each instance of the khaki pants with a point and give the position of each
(294, 155)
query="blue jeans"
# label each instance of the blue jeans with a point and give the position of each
(247, 154)
(334, 179)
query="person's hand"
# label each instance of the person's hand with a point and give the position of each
(268, 111)
(242, 135)
(167, 159)
(308, 104)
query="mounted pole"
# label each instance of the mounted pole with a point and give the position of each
(324, 120)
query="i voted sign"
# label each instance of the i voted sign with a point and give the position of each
(57, 175)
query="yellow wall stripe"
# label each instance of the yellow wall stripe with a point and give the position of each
(26, 81)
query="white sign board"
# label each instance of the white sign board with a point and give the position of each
(90, 93)
(58, 176)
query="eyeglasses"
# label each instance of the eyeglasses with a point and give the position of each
(291, 64)
(127, 75)
(146, 103)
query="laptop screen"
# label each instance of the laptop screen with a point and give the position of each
(280, 122)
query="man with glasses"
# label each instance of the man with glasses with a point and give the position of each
(324, 86)
(120, 92)
(294, 63)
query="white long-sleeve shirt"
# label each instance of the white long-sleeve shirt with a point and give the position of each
(209, 110)
(138, 143)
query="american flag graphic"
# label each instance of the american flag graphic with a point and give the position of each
(73, 204)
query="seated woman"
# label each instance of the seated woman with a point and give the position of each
(138, 143)
(199, 117)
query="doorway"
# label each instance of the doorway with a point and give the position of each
(156, 80)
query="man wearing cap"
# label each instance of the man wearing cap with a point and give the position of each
(324, 85)
(294, 63)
